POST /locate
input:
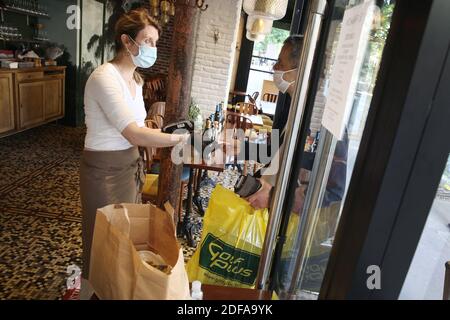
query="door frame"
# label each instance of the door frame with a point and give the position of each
(299, 26)
(396, 166)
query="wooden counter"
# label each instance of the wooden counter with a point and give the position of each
(211, 292)
(30, 97)
(24, 70)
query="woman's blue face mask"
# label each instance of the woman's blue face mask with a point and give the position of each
(146, 56)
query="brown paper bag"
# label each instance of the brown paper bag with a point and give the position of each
(118, 272)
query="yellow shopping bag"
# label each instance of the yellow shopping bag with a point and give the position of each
(231, 244)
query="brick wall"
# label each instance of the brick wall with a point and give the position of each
(164, 46)
(160, 69)
(214, 61)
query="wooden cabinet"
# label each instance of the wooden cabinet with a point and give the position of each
(7, 114)
(53, 94)
(29, 76)
(31, 103)
(30, 97)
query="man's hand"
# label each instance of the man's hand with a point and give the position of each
(299, 200)
(260, 200)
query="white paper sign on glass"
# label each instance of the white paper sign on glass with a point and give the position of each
(352, 44)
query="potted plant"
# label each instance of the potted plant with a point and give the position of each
(195, 115)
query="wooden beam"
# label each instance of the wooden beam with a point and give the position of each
(178, 94)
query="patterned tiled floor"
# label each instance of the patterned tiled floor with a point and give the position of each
(40, 213)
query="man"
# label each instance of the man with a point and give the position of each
(285, 75)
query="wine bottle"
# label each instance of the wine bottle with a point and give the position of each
(316, 142)
(208, 133)
(217, 113)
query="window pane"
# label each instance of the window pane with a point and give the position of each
(271, 46)
(265, 55)
(263, 64)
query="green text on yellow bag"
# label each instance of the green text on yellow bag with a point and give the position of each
(231, 244)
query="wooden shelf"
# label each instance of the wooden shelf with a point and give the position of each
(25, 12)
(24, 40)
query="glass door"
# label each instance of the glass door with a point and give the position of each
(426, 276)
(355, 40)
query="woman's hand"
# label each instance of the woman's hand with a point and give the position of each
(260, 200)
(152, 138)
(182, 138)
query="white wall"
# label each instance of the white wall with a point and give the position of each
(213, 63)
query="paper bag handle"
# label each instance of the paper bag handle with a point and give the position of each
(120, 219)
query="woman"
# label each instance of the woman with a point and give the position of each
(112, 166)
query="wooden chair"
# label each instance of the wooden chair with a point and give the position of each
(247, 108)
(156, 112)
(150, 190)
(154, 89)
(158, 107)
(233, 96)
(159, 119)
(267, 125)
(236, 121)
(267, 121)
(270, 97)
(251, 109)
(252, 98)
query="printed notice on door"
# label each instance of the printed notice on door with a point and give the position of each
(350, 51)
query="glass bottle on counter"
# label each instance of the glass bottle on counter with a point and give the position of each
(217, 113)
(196, 292)
(222, 115)
(208, 134)
(217, 116)
(316, 142)
(216, 130)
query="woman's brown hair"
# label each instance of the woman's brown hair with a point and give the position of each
(131, 23)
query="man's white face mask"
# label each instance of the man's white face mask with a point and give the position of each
(279, 81)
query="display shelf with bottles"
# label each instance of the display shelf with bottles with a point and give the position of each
(26, 7)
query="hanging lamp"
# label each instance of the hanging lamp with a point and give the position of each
(261, 14)
(258, 28)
